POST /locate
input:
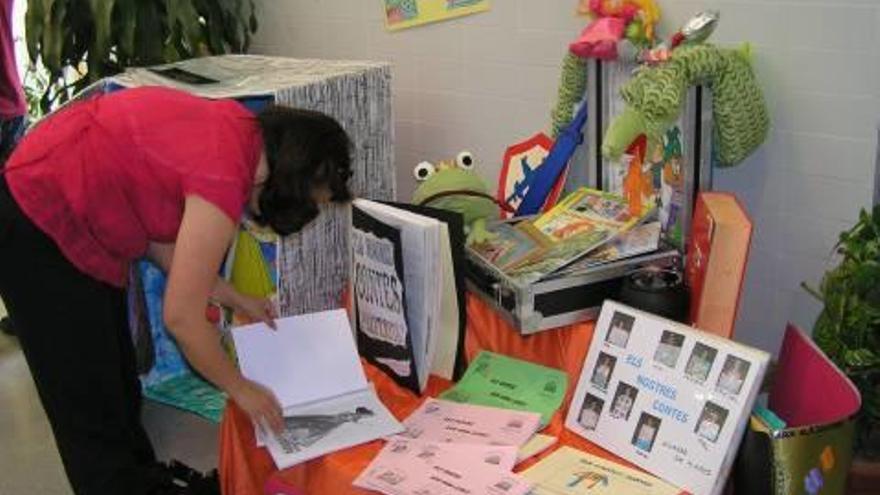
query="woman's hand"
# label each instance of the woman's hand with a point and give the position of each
(255, 308)
(259, 403)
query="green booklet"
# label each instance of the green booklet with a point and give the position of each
(500, 381)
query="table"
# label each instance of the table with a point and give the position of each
(245, 469)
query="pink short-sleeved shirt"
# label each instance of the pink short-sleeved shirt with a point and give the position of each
(12, 101)
(106, 176)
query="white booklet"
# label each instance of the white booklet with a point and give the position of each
(667, 397)
(311, 364)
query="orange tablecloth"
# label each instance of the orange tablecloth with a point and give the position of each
(245, 468)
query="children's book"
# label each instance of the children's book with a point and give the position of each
(510, 245)
(310, 363)
(405, 292)
(669, 398)
(444, 421)
(717, 254)
(499, 381)
(584, 221)
(582, 210)
(640, 239)
(568, 471)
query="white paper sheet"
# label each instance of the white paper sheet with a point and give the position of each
(309, 358)
(447, 325)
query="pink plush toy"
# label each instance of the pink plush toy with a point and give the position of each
(599, 39)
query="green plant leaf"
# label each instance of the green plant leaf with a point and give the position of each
(186, 27)
(110, 35)
(151, 33)
(34, 20)
(127, 19)
(102, 15)
(861, 359)
(53, 36)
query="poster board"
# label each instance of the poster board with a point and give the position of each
(669, 398)
(402, 14)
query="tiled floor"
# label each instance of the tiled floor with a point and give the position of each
(29, 462)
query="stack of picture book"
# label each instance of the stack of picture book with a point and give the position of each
(582, 223)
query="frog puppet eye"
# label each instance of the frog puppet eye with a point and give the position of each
(423, 170)
(465, 160)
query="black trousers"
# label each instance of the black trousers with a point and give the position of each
(74, 334)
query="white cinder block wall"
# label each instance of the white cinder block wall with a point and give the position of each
(485, 81)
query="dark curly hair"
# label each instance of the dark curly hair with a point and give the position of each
(305, 150)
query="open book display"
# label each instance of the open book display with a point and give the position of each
(667, 397)
(533, 249)
(311, 364)
(406, 296)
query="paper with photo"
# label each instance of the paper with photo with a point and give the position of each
(308, 358)
(410, 454)
(445, 421)
(568, 471)
(667, 397)
(499, 381)
(319, 429)
(451, 475)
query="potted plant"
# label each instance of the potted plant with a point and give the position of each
(80, 41)
(848, 331)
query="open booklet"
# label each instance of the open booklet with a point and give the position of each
(406, 295)
(311, 365)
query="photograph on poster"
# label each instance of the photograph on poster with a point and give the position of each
(624, 399)
(711, 421)
(591, 411)
(604, 368)
(620, 329)
(700, 363)
(646, 432)
(733, 375)
(669, 348)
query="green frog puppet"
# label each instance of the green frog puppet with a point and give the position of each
(455, 186)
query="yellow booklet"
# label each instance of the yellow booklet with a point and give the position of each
(585, 210)
(571, 472)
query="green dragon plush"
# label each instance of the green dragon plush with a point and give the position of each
(655, 96)
(455, 186)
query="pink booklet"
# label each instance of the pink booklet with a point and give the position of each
(410, 467)
(444, 421)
